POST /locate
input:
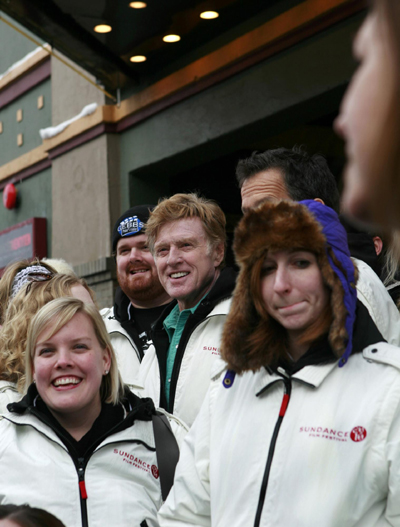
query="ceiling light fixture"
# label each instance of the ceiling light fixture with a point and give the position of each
(209, 15)
(138, 58)
(171, 38)
(138, 5)
(103, 28)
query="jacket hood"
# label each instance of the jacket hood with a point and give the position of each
(284, 225)
(121, 306)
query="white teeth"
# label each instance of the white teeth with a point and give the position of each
(178, 275)
(66, 380)
(134, 271)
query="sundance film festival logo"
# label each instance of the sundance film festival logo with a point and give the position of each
(356, 434)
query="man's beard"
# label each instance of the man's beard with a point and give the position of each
(140, 288)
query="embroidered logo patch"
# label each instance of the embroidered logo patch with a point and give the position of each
(357, 434)
(130, 226)
(136, 462)
(213, 349)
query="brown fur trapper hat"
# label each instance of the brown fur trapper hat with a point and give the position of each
(251, 338)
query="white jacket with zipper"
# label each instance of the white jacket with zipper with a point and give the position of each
(201, 359)
(320, 448)
(118, 484)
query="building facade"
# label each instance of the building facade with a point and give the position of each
(275, 79)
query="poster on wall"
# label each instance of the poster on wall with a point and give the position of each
(25, 240)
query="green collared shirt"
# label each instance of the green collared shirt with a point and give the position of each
(174, 325)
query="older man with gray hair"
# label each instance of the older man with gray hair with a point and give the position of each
(186, 235)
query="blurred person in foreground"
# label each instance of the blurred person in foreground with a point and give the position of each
(369, 120)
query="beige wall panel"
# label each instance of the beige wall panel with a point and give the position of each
(114, 177)
(70, 92)
(81, 227)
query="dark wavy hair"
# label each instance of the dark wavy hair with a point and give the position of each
(26, 516)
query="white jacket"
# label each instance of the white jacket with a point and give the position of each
(128, 357)
(121, 478)
(200, 361)
(336, 461)
(8, 394)
(373, 294)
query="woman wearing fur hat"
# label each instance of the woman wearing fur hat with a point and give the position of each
(304, 428)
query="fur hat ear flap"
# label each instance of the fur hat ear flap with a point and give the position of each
(239, 325)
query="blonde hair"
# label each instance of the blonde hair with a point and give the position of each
(53, 316)
(182, 206)
(17, 319)
(7, 279)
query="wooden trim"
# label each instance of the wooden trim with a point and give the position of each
(306, 14)
(77, 140)
(25, 83)
(23, 162)
(29, 171)
(102, 114)
(33, 62)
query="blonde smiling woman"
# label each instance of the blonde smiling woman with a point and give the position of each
(89, 449)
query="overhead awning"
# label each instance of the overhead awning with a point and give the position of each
(68, 26)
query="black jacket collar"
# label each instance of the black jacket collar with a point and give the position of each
(136, 407)
(121, 305)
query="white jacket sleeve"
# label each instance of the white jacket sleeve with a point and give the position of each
(372, 293)
(188, 502)
(392, 514)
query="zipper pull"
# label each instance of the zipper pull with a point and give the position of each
(82, 488)
(81, 475)
(284, 405)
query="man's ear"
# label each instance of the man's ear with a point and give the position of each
(319, 200)
(219, 252)
(378, 243)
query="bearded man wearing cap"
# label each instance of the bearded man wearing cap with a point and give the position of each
(140, 297)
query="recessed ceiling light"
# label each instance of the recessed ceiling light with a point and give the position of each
(138, 58)
(171, 38)
(103, 28)
(209, 15)
(138, 5)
